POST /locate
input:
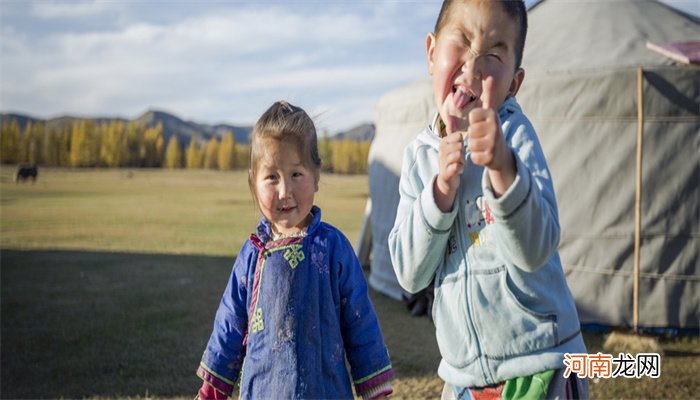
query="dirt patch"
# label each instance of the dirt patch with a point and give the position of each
(412, 347)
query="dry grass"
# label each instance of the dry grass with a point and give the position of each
(150, 210)
(631, 343)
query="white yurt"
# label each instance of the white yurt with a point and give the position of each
(597, 96)
(619, 123)
(398, 117)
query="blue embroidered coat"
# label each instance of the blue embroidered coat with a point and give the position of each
(292, 311)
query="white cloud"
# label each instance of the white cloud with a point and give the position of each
(238, 32)
(225, 65)
(72, 9)
(333, 79)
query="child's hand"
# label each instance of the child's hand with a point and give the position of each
(486, 142)
(451, 166)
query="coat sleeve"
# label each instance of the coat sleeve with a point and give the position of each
(223, 357)
(526, 220)
(419, 237)
(364, 345)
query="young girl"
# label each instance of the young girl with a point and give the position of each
(296, 303)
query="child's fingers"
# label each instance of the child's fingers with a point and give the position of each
(457, 168)
(487, 94)
(451, 142)
(449, 124)
(477, 118)
(455, 157)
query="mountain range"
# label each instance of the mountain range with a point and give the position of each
(184, 130)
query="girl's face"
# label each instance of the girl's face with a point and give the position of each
(284, 187)
(476, 42)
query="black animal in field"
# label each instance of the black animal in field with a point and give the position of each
(25, 172)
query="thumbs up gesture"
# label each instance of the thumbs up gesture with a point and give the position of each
(450, 166)
(487, 145)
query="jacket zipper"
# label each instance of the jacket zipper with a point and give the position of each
(485, 373)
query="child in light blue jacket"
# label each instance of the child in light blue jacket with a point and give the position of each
(478, 215)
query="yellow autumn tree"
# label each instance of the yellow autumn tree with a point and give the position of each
(153, 146)
(192, 158)
(134, 141)
(84, 144)
(211, 158)
(114, 145)
(227, 152)
(173, 155)
(24, 141)
(9, 139)
(325, 152)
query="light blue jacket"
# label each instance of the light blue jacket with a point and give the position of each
(502, 307)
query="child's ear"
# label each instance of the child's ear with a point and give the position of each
(517, 82)
(430, 41)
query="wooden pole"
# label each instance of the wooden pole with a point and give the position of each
(638, 197)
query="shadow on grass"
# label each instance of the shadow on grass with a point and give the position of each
(118, 325)
(81, 324)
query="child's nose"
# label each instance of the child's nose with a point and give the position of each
(471, 69)
(284, 189)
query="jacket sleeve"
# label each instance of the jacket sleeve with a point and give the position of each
(367, 354)
(223, 358)
(419, 237)
(526, 220)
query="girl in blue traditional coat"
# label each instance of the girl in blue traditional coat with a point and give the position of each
(296, 304)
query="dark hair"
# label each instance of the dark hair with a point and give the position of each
(514, 8)
(287, 123)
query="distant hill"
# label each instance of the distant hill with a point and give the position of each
(22, 119)
(189, 129)
(185, 130)
(363, 133)
(172, 125)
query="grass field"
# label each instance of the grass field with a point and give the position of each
(109, 280)
(150, 210)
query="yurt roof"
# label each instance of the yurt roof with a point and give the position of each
(602, 34)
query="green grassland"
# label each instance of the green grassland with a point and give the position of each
(109, 281)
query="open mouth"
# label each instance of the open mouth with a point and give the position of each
(462, 98)
(285, 209)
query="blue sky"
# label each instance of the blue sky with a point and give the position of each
(212, 61)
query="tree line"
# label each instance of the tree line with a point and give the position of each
(119, 144)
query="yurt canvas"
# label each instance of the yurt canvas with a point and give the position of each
(398, 118)
(587, 65)
(596, 95)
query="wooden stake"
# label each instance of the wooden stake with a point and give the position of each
(638, 197)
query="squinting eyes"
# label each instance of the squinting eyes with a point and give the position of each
(274, 177)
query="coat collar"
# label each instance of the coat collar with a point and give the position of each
(263, 233)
